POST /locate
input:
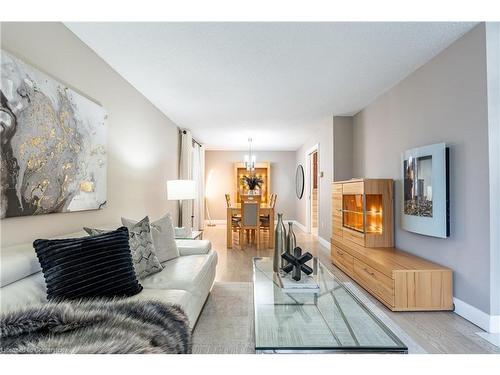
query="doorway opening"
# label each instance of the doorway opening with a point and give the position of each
(313, 192)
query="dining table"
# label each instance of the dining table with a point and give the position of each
(235, 209)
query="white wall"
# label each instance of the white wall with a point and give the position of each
(342, 148)
(321, 134)
(142, 142)
(219, 173)
(443, 101)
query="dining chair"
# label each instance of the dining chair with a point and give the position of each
(272, 203)
(265, 221)
(250, 222)
(272, 200)
(235, 219)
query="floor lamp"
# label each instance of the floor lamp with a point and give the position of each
(182, 190)
(210, 223)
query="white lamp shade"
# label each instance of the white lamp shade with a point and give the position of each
(181, 190)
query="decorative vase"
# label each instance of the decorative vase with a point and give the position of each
(279, 243)
(291, 242)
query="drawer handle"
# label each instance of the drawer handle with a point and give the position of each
(368, 272)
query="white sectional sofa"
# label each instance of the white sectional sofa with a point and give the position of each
(185, 280)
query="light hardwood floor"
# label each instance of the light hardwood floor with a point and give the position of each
(436, 332)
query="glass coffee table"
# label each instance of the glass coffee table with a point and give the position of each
(332, 320)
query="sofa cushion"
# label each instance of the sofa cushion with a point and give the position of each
(28, 291)
(162, 231)
(96, 266)
(18, 262)
(193, 247)
(192, 273)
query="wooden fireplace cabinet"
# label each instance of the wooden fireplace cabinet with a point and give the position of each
(362, 246)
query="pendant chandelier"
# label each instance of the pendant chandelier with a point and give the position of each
(250, 158)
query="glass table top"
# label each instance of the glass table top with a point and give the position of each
(333, 319)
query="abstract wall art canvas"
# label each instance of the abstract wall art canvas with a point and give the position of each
(53, 144)
(426, 190)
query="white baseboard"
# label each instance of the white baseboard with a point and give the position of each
(490, 323)
(494, 324)
(302, 227)
(295, 222)
(493, 338)
(324, 242)
(299, 225)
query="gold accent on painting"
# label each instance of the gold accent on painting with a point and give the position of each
(67, 166)
(35, 141)
(87, 186)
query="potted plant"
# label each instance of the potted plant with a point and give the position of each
(252, 182)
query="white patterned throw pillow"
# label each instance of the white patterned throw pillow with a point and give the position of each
(143, 252)
(162, 231)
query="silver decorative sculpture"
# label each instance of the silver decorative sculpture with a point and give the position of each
(291, 241)
(297, 263)
(279, 243)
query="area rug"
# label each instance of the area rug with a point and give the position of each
(226, 324)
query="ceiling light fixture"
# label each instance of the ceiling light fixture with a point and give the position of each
(250, 158)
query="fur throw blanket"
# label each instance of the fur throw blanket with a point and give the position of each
(96, 326)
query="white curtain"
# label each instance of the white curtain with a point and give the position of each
(199, 178)
(186, 173)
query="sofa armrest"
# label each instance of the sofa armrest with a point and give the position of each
(193, 247)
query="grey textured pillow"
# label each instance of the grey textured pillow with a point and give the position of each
(94, 231)
(163, 237)
(141, 246)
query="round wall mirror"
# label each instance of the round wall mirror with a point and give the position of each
(299, 181)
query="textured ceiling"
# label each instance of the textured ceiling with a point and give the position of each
(275, 82)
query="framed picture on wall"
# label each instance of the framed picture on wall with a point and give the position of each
(425, 195)
(54, 140)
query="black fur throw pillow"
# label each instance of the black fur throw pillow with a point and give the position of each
(95, 266)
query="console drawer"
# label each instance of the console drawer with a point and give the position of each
(343, 259)
(353, 236)
(378, 283)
